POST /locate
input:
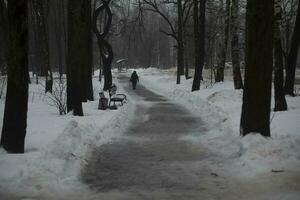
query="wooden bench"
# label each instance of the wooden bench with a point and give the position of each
(114, 97)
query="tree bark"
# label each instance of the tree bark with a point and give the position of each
(15, 113)
(180, 50)
(40, 9)
(280, 101)
(3, 36)
(202, 34)
(197, 77)
(292, 57)
(235, 47)
(222, 62)
(255, 117)
(105, 48)
(88, 69)
(77, 45)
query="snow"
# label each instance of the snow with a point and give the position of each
(219, 105)
(57, 146)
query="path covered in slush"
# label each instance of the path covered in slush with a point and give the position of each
(151, 161)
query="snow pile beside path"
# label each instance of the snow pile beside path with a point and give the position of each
(219, 106)
(57, 146)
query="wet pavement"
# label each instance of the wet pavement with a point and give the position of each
(151, 156)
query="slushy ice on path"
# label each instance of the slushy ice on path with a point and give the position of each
(151, 156)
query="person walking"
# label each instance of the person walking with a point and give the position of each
(134, 79)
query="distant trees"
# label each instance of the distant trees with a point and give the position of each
(176, 29)
(292, 56)
(15, 113)
(3, 36)
(280, 101)
(255, 116)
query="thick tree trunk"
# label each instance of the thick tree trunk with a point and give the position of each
(280, 101)
(180, 44)
(200, 44)
(256, 106)
(88, 54)
(77, 44)
(235, 47)
(15, 113)
(292, 57)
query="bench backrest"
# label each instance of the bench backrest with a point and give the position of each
(112, 90)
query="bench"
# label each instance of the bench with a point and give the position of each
(114, 97)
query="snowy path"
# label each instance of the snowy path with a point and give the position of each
(151, 161)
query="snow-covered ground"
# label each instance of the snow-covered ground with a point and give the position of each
(57, 146)
(267, 164)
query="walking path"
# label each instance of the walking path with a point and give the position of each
(151, 161)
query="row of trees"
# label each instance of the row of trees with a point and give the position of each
(79, 53)
(199, 28)
(266, 32)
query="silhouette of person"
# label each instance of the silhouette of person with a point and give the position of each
(134, 79)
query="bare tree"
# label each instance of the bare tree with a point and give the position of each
(105, 48)
(280, 101)
(199, 35)
(235, 47)
(256, 109)
(292, 57)
(15, 113)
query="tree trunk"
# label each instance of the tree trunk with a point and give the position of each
(77, 44)
(105, 48)
(40, 9)
(202, 34)
(235, 47)
(256, 109)
(222, 62)
(3, 37)
(88, 69)
(15, 113)
(197, 77)
(280, 101)
(292, 57)
(180, 44)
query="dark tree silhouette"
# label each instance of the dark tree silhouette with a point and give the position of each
(40, 13)
(259, 61)
(77, 61)
(235, 47)
(280, 101)
(222, 62)
(200, 50)
(15, 113)
(3, 36)
(105, 48)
